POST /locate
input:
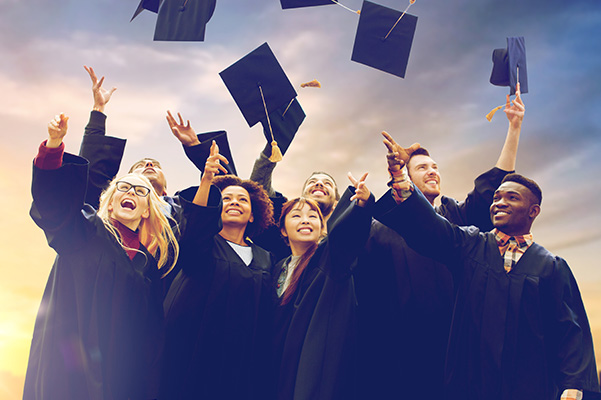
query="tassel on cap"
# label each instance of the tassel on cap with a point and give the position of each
(276, 153)
(492, 112)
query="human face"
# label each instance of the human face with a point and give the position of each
(321, 188)
(152, 170)
(237, 208)
(423, 171)
(513, 209)
(128, 207)
(302, 226)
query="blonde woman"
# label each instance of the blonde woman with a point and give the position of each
(98, 332)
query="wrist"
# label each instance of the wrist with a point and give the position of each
(98, 108)
(53, 143)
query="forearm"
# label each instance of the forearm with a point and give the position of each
(96, 124)
(508, 155)
(262, 173)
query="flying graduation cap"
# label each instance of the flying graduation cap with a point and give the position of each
(509, 68)
(384, 37)
(283, 124)
(304, 3)
(312, 3)
(260, 87)
(150, 5)
(182, 20)
(509, 65)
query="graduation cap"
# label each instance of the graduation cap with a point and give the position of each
(198, 154)
(259, 86)
(150, 5)
(283, 123)
(183, 20)
(384, 37)
(304, 3)
(312, 3)
(509, 65)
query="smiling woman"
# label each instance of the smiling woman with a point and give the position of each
(98, 329)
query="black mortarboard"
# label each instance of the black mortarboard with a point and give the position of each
(284, 123)
(384, 37)
(183, 20)
(150, 5)
(510, 64)
(257, 81)
(198, 154)
(304, 3)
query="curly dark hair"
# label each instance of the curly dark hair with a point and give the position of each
(261, 205)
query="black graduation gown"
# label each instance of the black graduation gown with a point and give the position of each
(98, 332)
(315, 333)
(217, 312)
(517, 335)
(406, 302)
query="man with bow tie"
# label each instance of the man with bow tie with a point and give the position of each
(519, 328)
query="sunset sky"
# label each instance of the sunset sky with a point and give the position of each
(441, 103)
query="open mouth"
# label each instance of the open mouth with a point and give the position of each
(305, 230)
(233, 211)
(127, 203)
(319, 192)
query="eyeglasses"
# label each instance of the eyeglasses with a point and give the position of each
(141, 191)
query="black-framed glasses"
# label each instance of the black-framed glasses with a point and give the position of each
(141, 191)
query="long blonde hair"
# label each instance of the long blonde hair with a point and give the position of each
(155, 232)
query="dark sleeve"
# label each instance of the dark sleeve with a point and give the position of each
(475, 209)
(104, 154)
(570, 333)
(423, 229)
(262, 172)
(348, 233)
(58, 199)
(199, 224)
(199, 153)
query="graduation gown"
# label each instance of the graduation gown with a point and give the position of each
(517, 335)
(217, 312)
(406, 302)
(315, 332)
(98, 331)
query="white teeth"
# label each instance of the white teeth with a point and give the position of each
(308, 230)
(501, 213)
(236, 212)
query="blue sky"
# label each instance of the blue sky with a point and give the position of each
(441, 103)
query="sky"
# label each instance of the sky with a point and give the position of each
(441, 103)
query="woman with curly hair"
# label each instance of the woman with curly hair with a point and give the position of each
(98, 331)
(218, 308)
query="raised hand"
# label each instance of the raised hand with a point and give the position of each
(183, 132)
(57, 129)
(101, 95)
(397, 156)
(213, 164)
(515, 112)
(362, 193)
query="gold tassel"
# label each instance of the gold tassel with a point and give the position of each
(276, 153)
(493, 111)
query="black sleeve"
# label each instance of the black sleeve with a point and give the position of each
(58, 199)
(475, 209)
(422, 228)
(104, 154)
(348, 232)
(570, 334)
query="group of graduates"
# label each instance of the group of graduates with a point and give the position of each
(228, 290)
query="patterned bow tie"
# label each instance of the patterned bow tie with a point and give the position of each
(512, 247)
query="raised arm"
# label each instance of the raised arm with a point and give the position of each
(103, 152)
(101, 95)
(211, 167)
(515, 116)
